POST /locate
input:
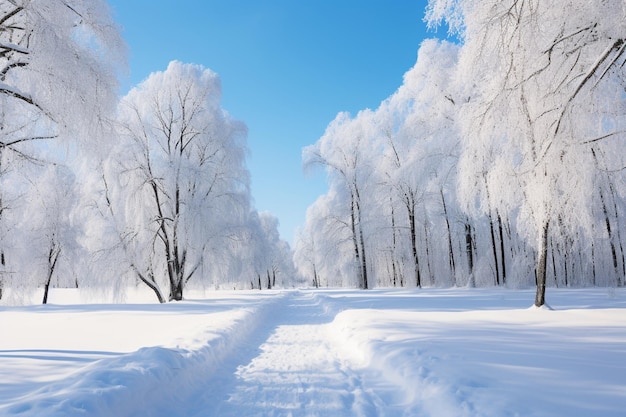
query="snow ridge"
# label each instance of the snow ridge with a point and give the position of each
(141, 383)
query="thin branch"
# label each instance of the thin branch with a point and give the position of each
(618, 44)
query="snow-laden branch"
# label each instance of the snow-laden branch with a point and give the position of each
(14, 47)
(14, 92)
(617, 45)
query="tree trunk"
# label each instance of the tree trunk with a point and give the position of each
(622, 272)
(502, 256)
(469, 249)
(150, 282)
(394, 270)
(53, 257)
(426, 247)
(355, 242)
(176, 292)
(316, 282)
(494, 249)
(363, 260)
(416, 262)
(2, 262)
(450, 250)
(540, 297)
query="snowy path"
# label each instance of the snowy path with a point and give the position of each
(290, 367)
(393, 353)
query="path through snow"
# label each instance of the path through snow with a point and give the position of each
(294, 369)
(393, 353)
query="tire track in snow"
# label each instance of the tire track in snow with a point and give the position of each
(288, 367)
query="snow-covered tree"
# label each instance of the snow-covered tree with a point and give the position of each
(58, 63)
(343, 151)
(418, 138)
(545, 94)
(58, 60)
(175, 186)
(49, 236)
(269, 255)
(389, 172)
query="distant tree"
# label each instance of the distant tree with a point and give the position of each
(342, 150)
(49, 243)
(416, 131)
(269, 255)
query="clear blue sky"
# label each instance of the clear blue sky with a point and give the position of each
(287, 68)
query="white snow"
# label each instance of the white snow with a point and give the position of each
(453, 352)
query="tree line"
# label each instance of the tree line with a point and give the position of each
(499, 161)
(106, 193)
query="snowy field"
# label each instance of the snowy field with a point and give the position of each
(454, 352)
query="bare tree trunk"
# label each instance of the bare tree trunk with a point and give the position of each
(176, 293)
(355, 242)
(394, 269)
(553, 249)
(469, 249)
(540, 297)
(494, 250)
(426, 246)
(621, 274)
(502, 254)
(150, 282)
(316, 282)
(450, 250)
(416, 261)
(3, 263)
(363, 259)
(53, 257)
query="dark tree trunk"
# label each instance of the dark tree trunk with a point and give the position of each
(355, 242)
(363, 260)
(502, 255)
(494, 249)
(540, 297)
(176, 292)
(416, 261)
(150, 282)
(2, 262)
(394, 270)
(556, 281)
(426, 247)
(469, 247)
(622, 272)
(316, 282)
(450, 250)
(53, 257)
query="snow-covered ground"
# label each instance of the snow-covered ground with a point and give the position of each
(453, 352)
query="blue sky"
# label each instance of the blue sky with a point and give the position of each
(287, 68)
